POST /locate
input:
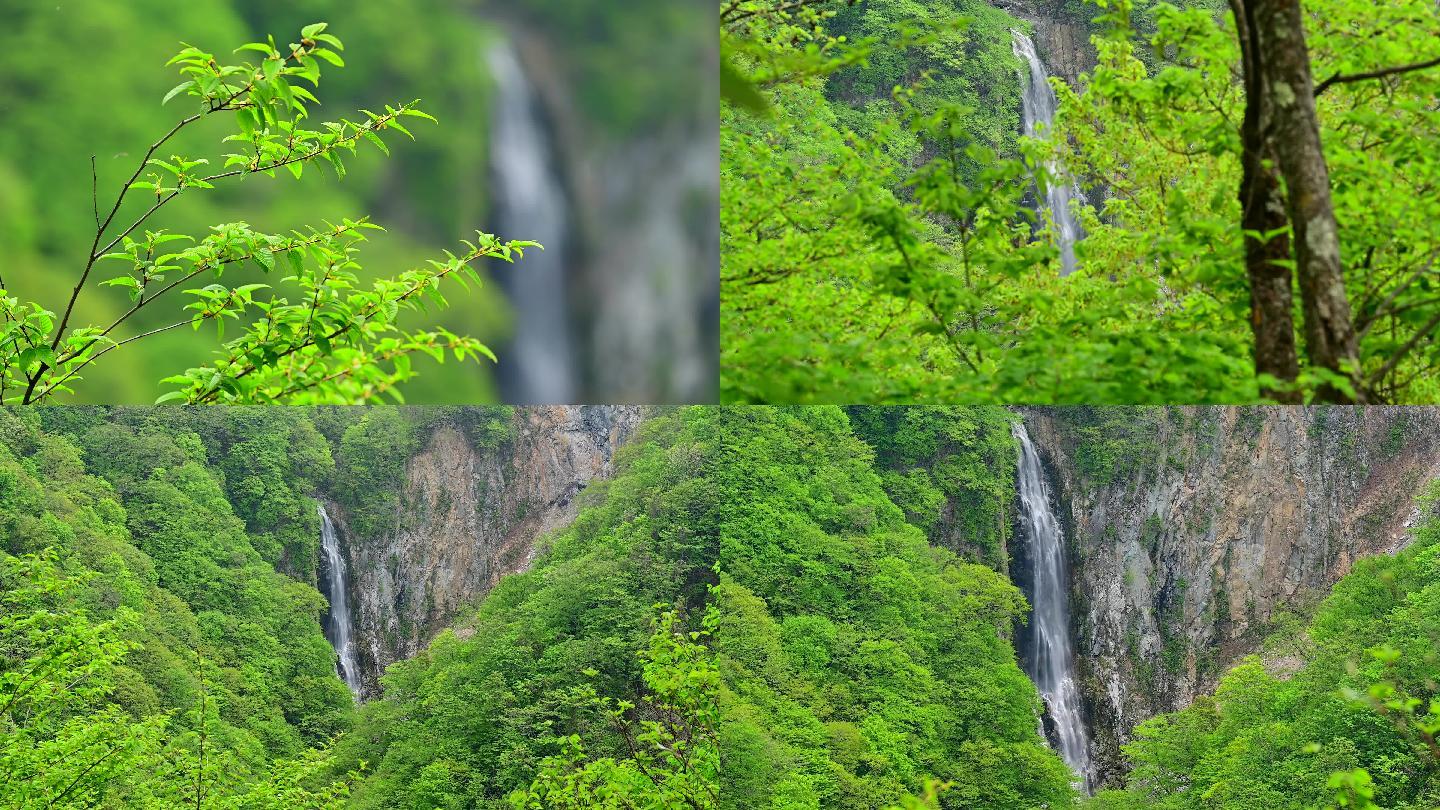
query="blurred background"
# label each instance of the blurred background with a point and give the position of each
(588, 126)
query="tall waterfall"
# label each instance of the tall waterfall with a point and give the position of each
(1039, 113)
(1051, 663)
(530, 203)
(338, 628)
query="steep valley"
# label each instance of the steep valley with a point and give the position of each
(1191, 534)
(842, 605)
(1194, 533)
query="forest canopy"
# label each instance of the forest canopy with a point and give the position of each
(890, 235)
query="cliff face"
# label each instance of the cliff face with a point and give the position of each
(1184, 557)
(1062, 39)
(468, 516)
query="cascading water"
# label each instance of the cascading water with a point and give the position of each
(1051, 663)
(338, 628)
(1038, 107)
(530, 203)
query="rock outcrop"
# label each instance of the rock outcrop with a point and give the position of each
(1062, 38)
(1230, 518)
(468, 516)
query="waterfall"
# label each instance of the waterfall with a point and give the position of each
(1038, 108)
(338, 628)
(529, 202)
(1051, 664)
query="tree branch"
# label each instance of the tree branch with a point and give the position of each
(1347, 78)
(1410, 344)
(100, 229)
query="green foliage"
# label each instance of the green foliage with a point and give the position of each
(62, 744)
(950, 469)
(148, 574)
(370, 466)
(879, 242)
(849, 664)
(468, 722)
(1113, 442)
(70, 739)
(857, 660)
(318, 333)
(674, 760)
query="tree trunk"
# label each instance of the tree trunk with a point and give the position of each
(1264, 220)
(1289, 98)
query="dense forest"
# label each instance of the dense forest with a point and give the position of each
(1108, 201)
(759, 608)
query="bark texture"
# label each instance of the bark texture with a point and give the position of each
(1283, 63)
(1264, 219)
(1280, 138)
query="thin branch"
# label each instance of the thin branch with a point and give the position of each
(1339, 78)
(1383, 309)
(307, 156)
(1410, 344)
(197, 270)
(53, 384)
(94, 193)
(114, 209)
(76, 781)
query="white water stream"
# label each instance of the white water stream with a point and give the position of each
(339, 629)
(1038, 107)
(530, 203)
(1052, 663)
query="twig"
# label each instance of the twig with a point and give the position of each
(1374, 74)
(1410, 344)
(94, 193)
(114, 209)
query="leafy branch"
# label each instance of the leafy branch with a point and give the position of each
(340, 342)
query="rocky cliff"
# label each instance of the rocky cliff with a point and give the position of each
(1192, 532)
(468, 516)
(1062, 35)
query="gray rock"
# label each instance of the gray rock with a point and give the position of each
(469, 515)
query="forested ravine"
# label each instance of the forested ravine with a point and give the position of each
(463, 514)
(861, 607)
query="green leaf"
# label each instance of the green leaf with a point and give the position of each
(329, 56)
(399, 126)
(375, 139)
(176, 90)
